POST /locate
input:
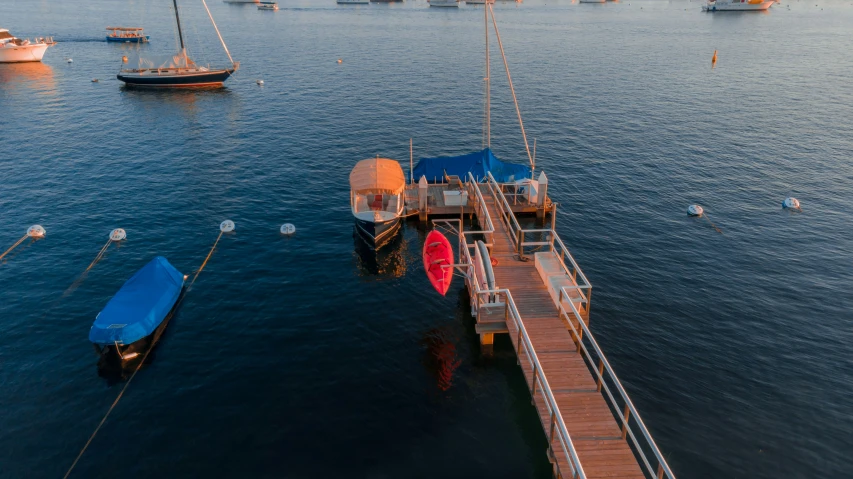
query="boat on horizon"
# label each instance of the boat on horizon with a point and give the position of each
(134, 319)
(267, 6)
(17, 50)
(176, 70)
(242, 1)
(353, 2)
(737, 5)
(127, 35)
(444, 3)
(377, 198)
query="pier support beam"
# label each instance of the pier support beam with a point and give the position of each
(423, 195)
(487, 343)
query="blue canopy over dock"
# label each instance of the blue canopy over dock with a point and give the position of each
(478, 164)
(140, 305)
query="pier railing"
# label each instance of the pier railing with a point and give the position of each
(632, 425)
(539, 238)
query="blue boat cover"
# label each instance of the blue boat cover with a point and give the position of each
(478, 164)
(140, 305)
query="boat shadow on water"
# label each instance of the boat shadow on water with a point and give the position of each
(115, 367)
(388, 261)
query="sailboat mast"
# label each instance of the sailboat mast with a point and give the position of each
(488, 83)
(178, 19)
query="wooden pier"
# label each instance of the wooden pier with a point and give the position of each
(541, 299)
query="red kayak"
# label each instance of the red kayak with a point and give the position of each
(437, 252)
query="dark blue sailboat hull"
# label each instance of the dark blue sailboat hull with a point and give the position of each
(155, 80)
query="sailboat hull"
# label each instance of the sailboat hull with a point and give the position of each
(174, 79)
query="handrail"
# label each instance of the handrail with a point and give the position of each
(517, 238)
(558, 426)
(604, 366)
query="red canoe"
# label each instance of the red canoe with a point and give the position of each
(437, 252)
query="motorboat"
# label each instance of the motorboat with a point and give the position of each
(444, 3)
(242, 1)
(478, 2)
(377, 198)
(146, 70)
(737, 5)
(127, 35)
(134, 319)
(353, 2)
(17, 50)
(267, 6)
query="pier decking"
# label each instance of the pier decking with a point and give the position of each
(542, 302)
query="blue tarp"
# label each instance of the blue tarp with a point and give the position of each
(140, 305)
(477, 163)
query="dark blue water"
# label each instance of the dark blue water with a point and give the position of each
(306, 356)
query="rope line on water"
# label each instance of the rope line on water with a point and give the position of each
(205, 260)
(712, 224)
(17, 243)
(139, 366)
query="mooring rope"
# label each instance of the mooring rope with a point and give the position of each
(139, 366)
(712, 224)
(17, 243)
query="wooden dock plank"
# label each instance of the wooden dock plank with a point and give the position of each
(595, 431)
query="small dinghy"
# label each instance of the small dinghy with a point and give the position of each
(438, 261)
(133, 320)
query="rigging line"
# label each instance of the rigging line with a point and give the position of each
(488, 84)
(217, 32)
(100, 255)
(23, 238)
(511, 88)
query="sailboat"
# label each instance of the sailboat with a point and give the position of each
(176, 70)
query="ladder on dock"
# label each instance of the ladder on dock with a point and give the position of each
(593, 429)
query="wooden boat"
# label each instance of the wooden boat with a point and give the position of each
(126, 35)
(438, 261)
(133, 320)
(377, 198)
(176, 70)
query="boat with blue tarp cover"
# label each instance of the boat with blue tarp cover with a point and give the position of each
(133, 320)
(478, 164)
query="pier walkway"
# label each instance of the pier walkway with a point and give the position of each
(541, 299)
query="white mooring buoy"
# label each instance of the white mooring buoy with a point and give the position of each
(791, 203)
(118, 234)
(69, 60)
(288, 229)
(695, 210)
(227, 226)
(36, 231)
(260, 82)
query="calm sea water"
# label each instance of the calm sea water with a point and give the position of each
(307, 356)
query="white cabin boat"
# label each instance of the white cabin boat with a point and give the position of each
(444, 3)
(377, 198)
(353, 2)
(268, 6)
(737, 5)
(16, 50)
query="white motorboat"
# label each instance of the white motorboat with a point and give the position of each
(377, 198)
(268, 6)
(353, 2)
(593, 1)
(242, 1)
(478, 2)
(737, 5)
(444, 3)
(16, 50)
